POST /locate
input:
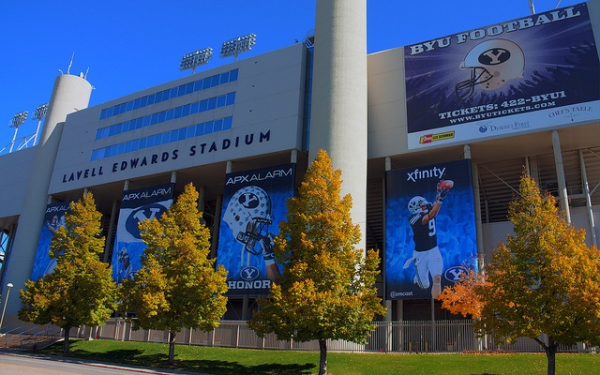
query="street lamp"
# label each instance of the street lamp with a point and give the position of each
(9, 286)
(194, 59)
(238, 45)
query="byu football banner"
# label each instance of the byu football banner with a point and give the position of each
(518, 76)
(137, 205)
(254, 203)
(430, 229)
(53, 219)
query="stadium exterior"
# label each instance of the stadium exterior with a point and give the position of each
(399, 116)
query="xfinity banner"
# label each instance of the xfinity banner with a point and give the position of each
(137, 205)
(430, 229)
(518, 76)
(254, 203)
(53, 219)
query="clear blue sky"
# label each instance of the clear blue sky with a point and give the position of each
(132, 45)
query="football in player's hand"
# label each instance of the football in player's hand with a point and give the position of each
(445, 185)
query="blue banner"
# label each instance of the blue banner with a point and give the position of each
(430, 229)
(254, 203)
(53, 219)
(518, 76)
(137, 205)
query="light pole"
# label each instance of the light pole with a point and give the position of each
(40, 113)
(18, 120)
(194, 59)
(238, 45)
(9, 286)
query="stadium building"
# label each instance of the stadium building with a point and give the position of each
(471, 109)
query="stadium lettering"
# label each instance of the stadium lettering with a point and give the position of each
(418, 174)
(86, 173)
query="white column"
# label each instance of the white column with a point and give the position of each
(560, 176)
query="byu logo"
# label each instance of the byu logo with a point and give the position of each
(147, 212)
(249, 273)
(453, 274)
(494, 56)
(249, 200)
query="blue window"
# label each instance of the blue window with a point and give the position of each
(103, 114)
(197, 85)
(118, 128)
(137, 103)
(142, 143)
(182, 134)
(215, 81)
(120, 149)
(166, 138)
(185, 110)
(233, 75)
(218, 125)
(227, 121)
(194, 108)
(212, 103)
(99, 134)
(199, 130)
(189, 88)
(177, 112)
(231, 98)
(206, 83)
(170, 114)
(154, 119)
(190, 131)
(203, 106)
(221, 101)
(150, 99)
(146, 122)
(135, 144)
(129, 105)
(150, 141)
(173, 93)
(143, 101)
(224, 77)
(174, 135)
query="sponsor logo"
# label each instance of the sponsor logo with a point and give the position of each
(453, 274)
(429, 138)
(148, 212)
(255, 284)
(249, 273)
(395, 294)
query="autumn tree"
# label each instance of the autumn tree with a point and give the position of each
(544, 282)
(177, 285)
(327, 287)
(81, 290)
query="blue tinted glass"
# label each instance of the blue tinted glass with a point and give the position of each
(161, 116)
(173, 93)
(231, 98)
(110, 111)
(105, 132)
(154, 119)
(158, 97)
(137, 103)
(203, 105)
(166, 138)
(150, 141)
(208, 127)
(146, 121)
(189, 88)
(174, 135)
(103, 114)
(206, 83)
(118, 128)
(143, 101)
(185, 110)
(194, 108)
(218, 125)
(99, 134)
(224, 77)
(129, 105)
(212, 103)
(115, 110)
(135, 144)
(181, 90)
(233, 75)
(177, 112)
(128, 146)
(150, 99)
(111, 131)
(221, 101)
(190, 131)
(123, 108)
(182, 133)
(215, 81)
(142, 143)
(120, 149)
(170, 113)
(227, 121)
(199, 130)
(94, 155)
(139, 123)
(198, 85)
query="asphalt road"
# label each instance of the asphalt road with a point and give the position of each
(15, 363)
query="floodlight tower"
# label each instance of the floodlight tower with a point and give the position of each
(18, 120)
(40, 113)
(238, 45)
(194, 59)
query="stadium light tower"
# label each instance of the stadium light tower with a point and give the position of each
(40, 113)
(194, 59)
(18, 120)
(238, 45)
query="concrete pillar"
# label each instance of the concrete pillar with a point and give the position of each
(71, 93)
(560, 176)
(339, 96)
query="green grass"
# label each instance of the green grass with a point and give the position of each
(229, 361)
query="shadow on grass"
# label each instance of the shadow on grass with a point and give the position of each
(137, 358)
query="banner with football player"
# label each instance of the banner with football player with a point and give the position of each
(53, 219)
(430, 229)
(137, 205)
(518, 76)
(254, 203)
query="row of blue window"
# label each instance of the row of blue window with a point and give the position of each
(163, 138)
(175, 92)
(171, 114)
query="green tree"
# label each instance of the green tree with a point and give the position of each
(81, 290)
(327, 287)
(177, 285)
(543, 283)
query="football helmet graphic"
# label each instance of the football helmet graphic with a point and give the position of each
(416, 204)
(492, 64)
(248, 215)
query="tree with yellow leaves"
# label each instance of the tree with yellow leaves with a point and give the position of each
(543, 283)
(80, 290)
(177, 285)
(327, 287)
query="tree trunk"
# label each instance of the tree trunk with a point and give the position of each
(551, 356)
(323, 359)
(172, 346)
(66, 342)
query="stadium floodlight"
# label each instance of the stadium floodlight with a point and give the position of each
(194, 59)
(238, 45)
(40, 113)
(18, 120)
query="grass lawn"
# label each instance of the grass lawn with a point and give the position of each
(228, 361)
